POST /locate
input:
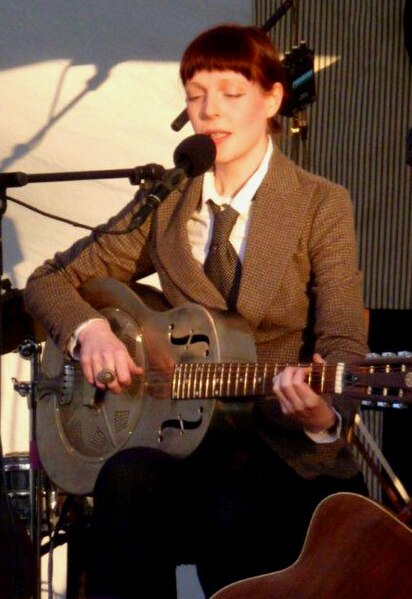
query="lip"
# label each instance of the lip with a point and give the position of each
(218, 136)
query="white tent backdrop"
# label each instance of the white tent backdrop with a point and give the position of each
(84, 86)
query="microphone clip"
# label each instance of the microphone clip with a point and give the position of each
(154, 196)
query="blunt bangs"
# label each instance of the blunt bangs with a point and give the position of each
(245, 50)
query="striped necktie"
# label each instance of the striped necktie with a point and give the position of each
(222, 264)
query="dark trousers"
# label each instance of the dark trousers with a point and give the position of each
(234, 514)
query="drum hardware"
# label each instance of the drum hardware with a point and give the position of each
(31, 350)
(36, 499)
(16, 469)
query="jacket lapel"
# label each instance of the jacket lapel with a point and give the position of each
(173, 249)
(279, 211)
(278, 214)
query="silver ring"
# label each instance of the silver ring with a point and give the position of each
(106, 376)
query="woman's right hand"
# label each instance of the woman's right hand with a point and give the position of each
(100, 349)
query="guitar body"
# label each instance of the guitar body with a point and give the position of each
(354, 549)
(79, 428)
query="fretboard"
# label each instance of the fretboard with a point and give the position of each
(244, 380)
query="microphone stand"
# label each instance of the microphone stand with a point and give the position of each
(135, 176)
(29, 349)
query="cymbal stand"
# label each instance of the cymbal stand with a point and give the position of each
(31, 350)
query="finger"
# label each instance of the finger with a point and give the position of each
(106, 376)
(91, 366)
(88, 372)
(282, 386)
(317, 359)
(297, 394)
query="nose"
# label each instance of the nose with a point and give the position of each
(210, 106)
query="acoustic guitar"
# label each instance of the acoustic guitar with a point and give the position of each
(199, 369)
(354, 549)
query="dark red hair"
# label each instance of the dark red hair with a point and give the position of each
(230, 47)
(246, 50)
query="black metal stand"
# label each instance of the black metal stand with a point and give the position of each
(5, 289)
(30, 350)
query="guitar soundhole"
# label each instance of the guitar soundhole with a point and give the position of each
(193, 344)
(181, 424)
(189, 339)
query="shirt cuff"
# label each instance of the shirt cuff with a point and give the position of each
(73, 348)
(327, 436)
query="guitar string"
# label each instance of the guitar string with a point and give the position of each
(320, 378)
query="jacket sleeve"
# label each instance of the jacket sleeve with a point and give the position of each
(340, 324)
(51, 294)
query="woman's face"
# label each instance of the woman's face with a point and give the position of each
(234, 112)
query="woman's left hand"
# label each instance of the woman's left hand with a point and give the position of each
(298, 401)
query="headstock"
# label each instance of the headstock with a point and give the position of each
(381, 380)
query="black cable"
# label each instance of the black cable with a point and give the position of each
(100, 229)
(48, 215)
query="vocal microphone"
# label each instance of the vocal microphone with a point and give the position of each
(192, 157)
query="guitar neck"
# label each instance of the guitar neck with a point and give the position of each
(383, 381)
(244, 380)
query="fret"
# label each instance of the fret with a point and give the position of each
(202, 372)
(254, 380)
(179, 381)
(189, 381)
(222, 370)
(322, 379)
(183, 382)
(265, 373)
(216, 380)
(207, 380)
(229, 378)
(175, 374)
(193, 371)
(245, 382)
(237, 380)
(310, 376)
(194, 381)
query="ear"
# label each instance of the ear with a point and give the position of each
(274, 100)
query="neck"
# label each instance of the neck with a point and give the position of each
(231, 176)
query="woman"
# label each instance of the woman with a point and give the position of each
(299, 291)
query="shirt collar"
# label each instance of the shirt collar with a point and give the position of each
(241, 201)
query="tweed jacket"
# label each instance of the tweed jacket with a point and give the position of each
(300, 290)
